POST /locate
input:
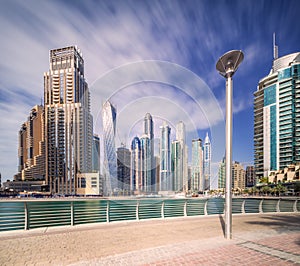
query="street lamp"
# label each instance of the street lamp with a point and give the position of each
(227, 65)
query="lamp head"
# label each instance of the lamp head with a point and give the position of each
(229, 62)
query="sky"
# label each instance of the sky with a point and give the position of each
(145, 56)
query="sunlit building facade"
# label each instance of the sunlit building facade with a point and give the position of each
(277, 116)
(165, 178)
(207, 162)
(109, 115)
(136, 184)
(179, 160)
(150, 162)
(197, 179)
(31, 150)
(68, 121)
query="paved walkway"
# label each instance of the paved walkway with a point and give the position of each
(264, 239)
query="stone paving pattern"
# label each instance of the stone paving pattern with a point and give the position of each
(260, 239)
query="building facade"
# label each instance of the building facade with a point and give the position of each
(222, 175)
(68, 121)
(250, 176)
(31, 150)
(238, 176)
(165, 178)
(109, 115)
(150, 161)
(207, 162)
(179, 155)
(277, 116)
(123, 169)
(136, 184)
(197, 179)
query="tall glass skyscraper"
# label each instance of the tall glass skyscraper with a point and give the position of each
(207, 162)
(123, 167)
(149, 132)
(197, 180)
(277, 116)
(146, 163)
(68, 121)
(179, 159)
(136, 162)
(165, 178)
(109, 114)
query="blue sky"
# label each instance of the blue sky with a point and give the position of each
(185, 35)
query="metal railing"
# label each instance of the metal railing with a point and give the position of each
(16, 215)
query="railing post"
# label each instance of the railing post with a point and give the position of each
(185, 208)
(162, 209)
(205, 207)
(107, 211)
(278, 206)
(26, 218)
(260, 209)
(295, 206)
(137, 209)
(243, 206)
(72, 213)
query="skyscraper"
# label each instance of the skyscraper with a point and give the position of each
(277, 116)
(135, 172)
(165, 179)
(238, 176)
(149, 132)
(197, 180)
(146, 163)
(179, 159)
(222, 174)
(250, 176)
(109, 114)
(96, 154)
(123, 168)
(207, 162)
(68, 121)
(32, 147)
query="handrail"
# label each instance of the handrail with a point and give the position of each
(16, 215)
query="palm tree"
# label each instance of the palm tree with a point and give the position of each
(279, 189)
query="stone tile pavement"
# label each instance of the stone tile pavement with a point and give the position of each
(260, 239)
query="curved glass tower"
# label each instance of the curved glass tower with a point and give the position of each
(109, 114)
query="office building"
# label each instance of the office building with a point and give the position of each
(277, 116)
(250, 176)
(165, 178)
(238, 176)
(31, 151)
(222, 175)
(197, 178)
(136, 184)
(109, 114)
(68, 121)
(96, 154)
(149, 132)
(179, 159)
(146, 163)
(207, 162)
(123, 169)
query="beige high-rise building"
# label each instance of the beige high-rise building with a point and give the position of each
(238, 175)
(31, 151)
(68, 121)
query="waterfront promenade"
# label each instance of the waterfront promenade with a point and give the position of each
(258, 239)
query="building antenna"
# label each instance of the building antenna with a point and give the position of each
(275, 47)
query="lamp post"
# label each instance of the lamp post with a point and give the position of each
(227, 65)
